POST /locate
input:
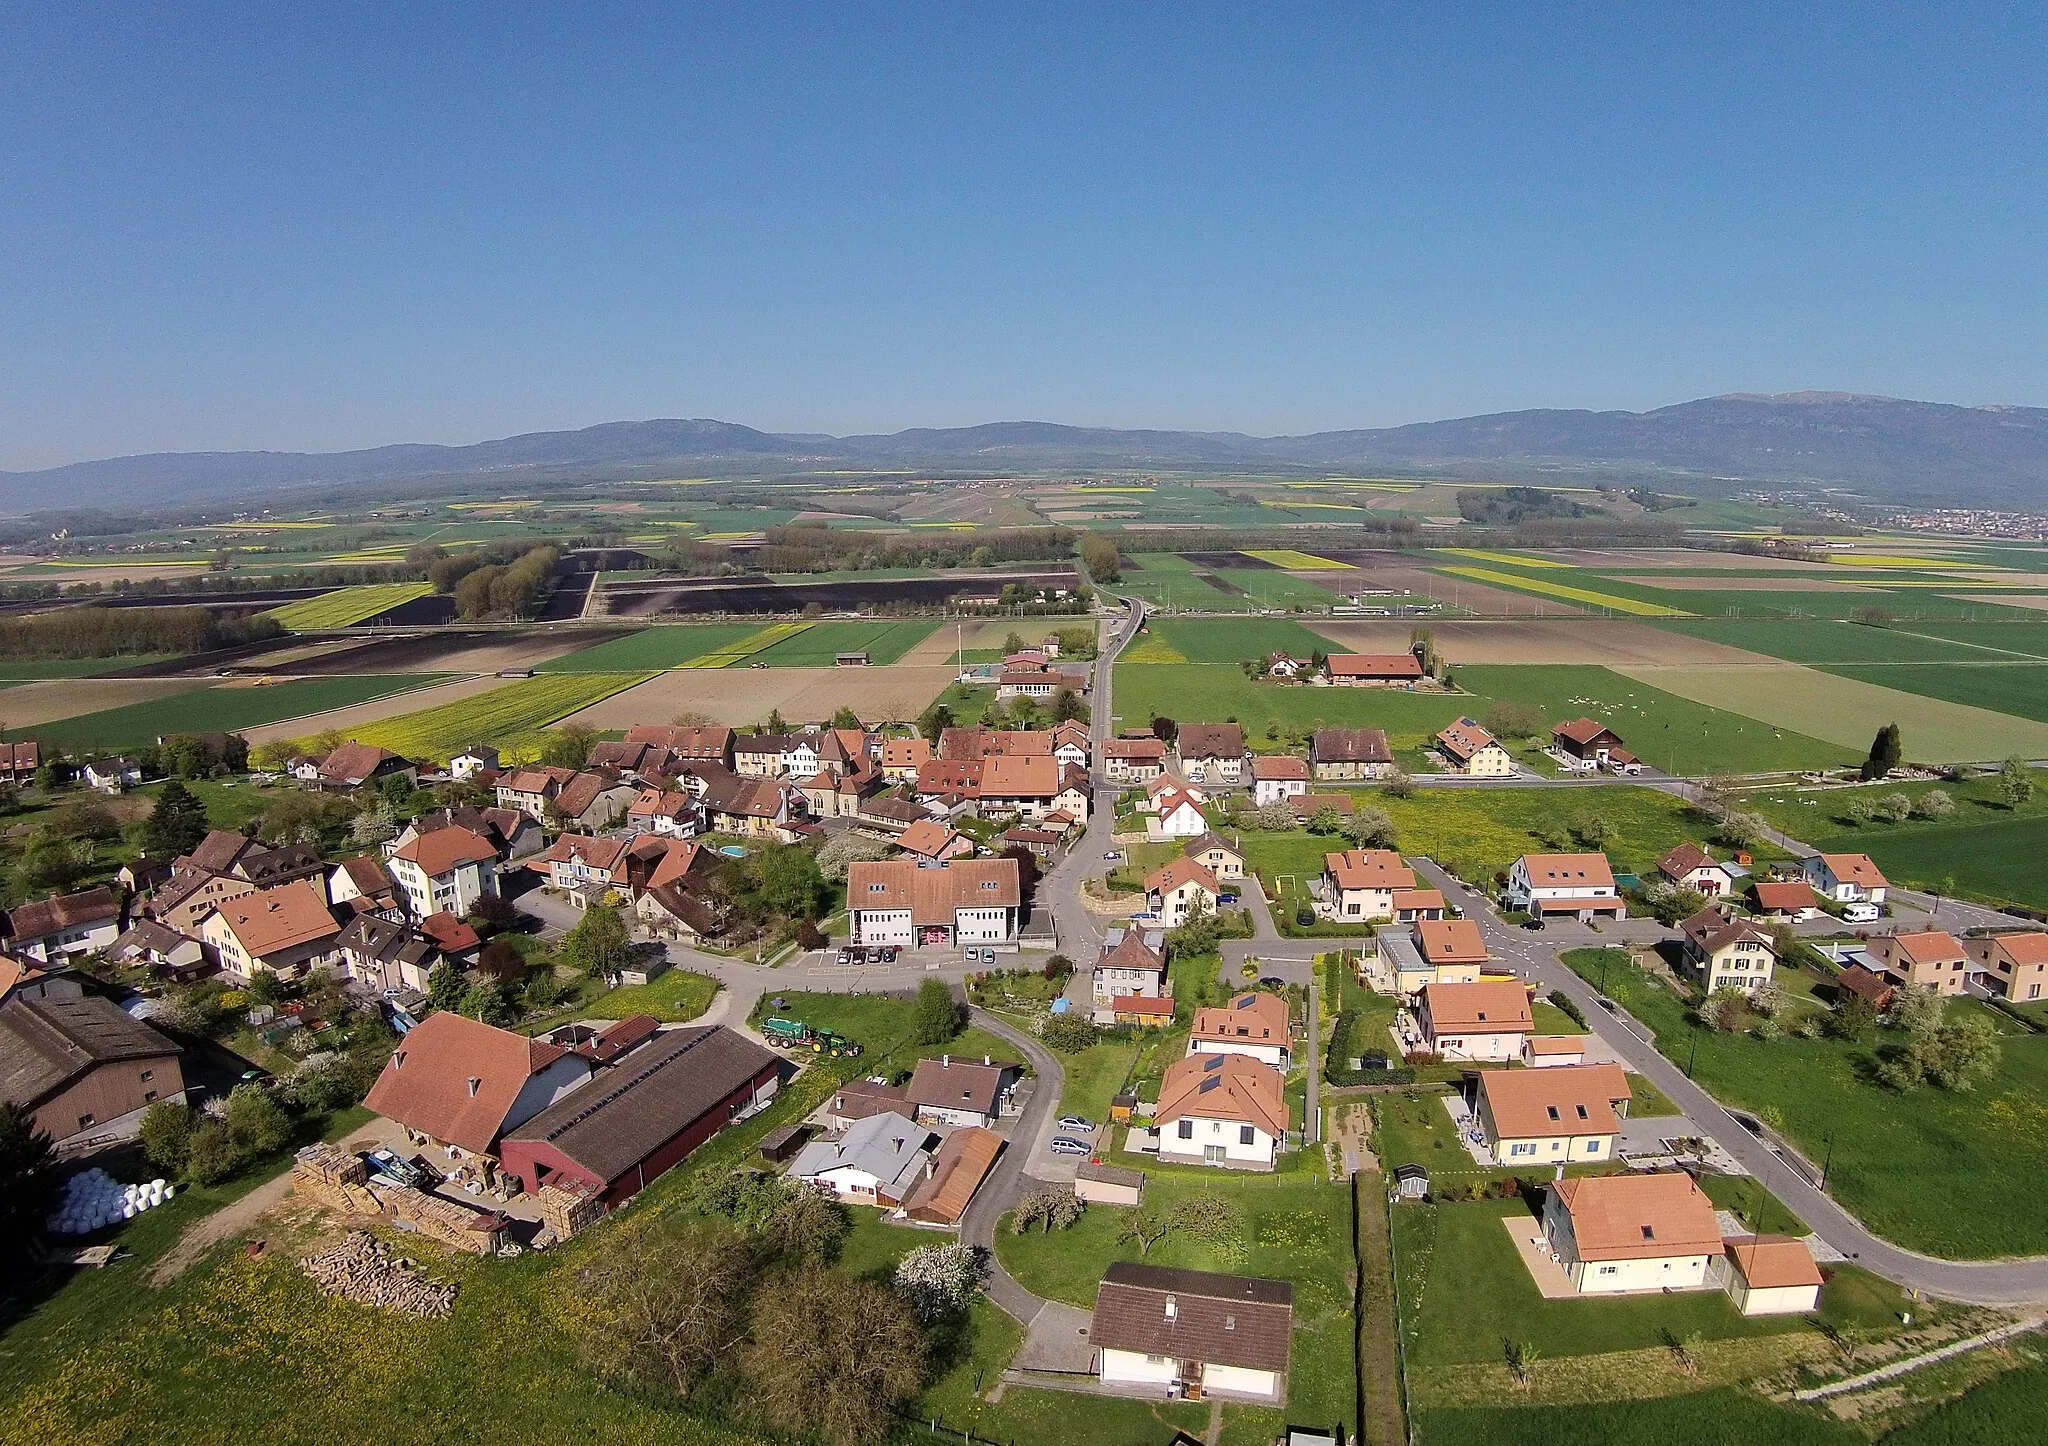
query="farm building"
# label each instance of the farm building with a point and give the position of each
(462, 1085)
(643, 1115)
(1587, 741)
(1188, 1332)
(80, 1068)
(1373, 670)
(1338, 754)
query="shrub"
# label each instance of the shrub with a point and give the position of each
(1067, 1033)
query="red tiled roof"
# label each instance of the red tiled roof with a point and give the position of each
(456, 1079)
(445, 850)
(1375, 665)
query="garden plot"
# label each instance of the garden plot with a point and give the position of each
(738, 696)
(1603, 642)
(1848, 712)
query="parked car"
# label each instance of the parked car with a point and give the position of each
(1077, 1122)
(1272, 981)
(1112, 856)
(1862, 913)
(1068, 1145)
(846, 956)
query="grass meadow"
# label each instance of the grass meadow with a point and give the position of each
(817, 645)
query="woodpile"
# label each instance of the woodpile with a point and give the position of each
(460, 1227)
(566, 1211)
(334, 1178)
(362, 1269)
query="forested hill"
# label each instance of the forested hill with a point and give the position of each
(1879, 447)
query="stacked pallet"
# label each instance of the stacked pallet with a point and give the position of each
(455, 1225)
(335, 1178)
(568, 1211)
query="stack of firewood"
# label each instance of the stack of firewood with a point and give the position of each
(361, 1268)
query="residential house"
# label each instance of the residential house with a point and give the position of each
(19, 979)
(1178, 816)
(1336, 754)
(669, 813)
(482, 758)
(1413, 906)
(1688, 866)
(765, 755)
(19, 762)
(1360, 884)
(285, 864)
(949, 1091)
(672, 911)
(446, 870)
(880, 1159)
(1792, 900)
(643, 1113)
(1845, 878)
(1221, 1109)
(1179, 889)
(902, 757)
(159, 947)
(288, 931)
(1447, 951)
(1722, 951)
(456, 941)
(85, 922)
(586, 869)
(958, 1170)
(1211, 752)
(1374, 670)
(363, 885)
(2015, 966)
(1133, 760)
(753, 807)
(1466, 748)
(859, 1098)
(1132, 962)
(385, 954)
(1072, 745)
(81, 1069)
(511, 830)
(1253, 1023)
(192, 894)
(1928, 957)
(532, 790)
(1219, 855)
(1166, 783)
(1280, 665)
(1031, 787)
(1772, 1275)
(592, 801)
(112, 776)
(903, 902)
(706, 744)
(1484, 1020)
(1569, 1115)
(1579, 886)
(1618, 1233)
(933, 842)
(1585, 741)
(839, 794)
(1036, 682)
(355, 765)
(1277, 777)
(461, 1085)
(1190, 1333)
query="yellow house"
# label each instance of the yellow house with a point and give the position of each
(1930, 957)
(1568, 1115)
(2016, 965)
(1467, 748)
(1724, 952)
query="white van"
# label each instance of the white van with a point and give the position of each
(1862, 913)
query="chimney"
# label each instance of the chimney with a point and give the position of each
(475, 1084)
(398, 1059)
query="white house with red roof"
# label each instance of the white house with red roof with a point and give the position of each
(1179, 889)
(445, 871)
(1221, 1109)
(1576, 886)
(461, 1085)
(1277, 777)
(1845, 878)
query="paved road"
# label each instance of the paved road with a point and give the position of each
(1535, 954)
(1007, 1183)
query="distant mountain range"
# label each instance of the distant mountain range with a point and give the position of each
(1880, 448)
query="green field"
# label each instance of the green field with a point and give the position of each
(1709, 1418)
(1236, 640)
(31, 670)
(1606, 599)
(818, 644)
(2020, 689)
(1809, 640)
(212, 709)
(1943, 1172)
(345, 606)
(1666, 604)
(651, 648)
(509, 717)
(1270, 587)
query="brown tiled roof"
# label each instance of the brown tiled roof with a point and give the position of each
(450, 934)
(1020, 775)
(1570, 1099)
(1929, 946)
(1308, 805)
(596, 852)
(955, 1084)
(1683, 859)
(1450, 941)
(1639, 1217)
(1153, 1006)
(1557, 1044)
(1463, 739)
(281, 918)
(1568, 871)
(426, 1082)
(445, 850)
(687, 742)
(687, 908)
(631, 1109)
(1109, 1174)
(1210, 740)
(1369, 869)
(1375, 665)
(1350, 745)
(932, 894)
(1279, 766)
(1488, 1006)
(580, 792)
(1855, 869)
(354, 762)
(1417, 899)
(1253, 1017)
(1713, 929)
(218, 852)
(747, 797)
(1130, 952)
(41, 917)
(46, 1043)
(1773, 1262)
(859, 1098)
(1145, 750)
(1584, 731)
(1223, 1087)
(1175, 872)
(1209, 842)
(1871, 985)
(963, 1162)
(679, 859)
(905, 752)
(1225, 1320)
(1785, 898)
(2028, 946)
(367, 874)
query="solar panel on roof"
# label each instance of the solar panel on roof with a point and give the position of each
(1207, 1085)
(1215, 1061)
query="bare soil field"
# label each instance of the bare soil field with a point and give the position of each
(942, 645)
(1846, 711)
(1602, 642)
(441, 653)
(737, 696)
(373, 711)
(1737, 582)
(28, 704)
(142, 573)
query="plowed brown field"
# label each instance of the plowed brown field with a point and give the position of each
(738, 696)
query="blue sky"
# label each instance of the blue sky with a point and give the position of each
(339, 226)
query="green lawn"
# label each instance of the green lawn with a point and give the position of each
(1095, 1076)
(1709, 1418)
(676, 996)
(881, 1024)
(207, 709)
(1270, 587)
(1297, 1229)
(651, 648)
(1809, 640)
(1943, 1172)
(817, 645)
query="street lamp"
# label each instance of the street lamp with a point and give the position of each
(1692, 1053)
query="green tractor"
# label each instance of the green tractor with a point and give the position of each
(836, 1046)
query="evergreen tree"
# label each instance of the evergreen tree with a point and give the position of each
(1886, 750)
(176, 825)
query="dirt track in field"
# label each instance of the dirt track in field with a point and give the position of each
(737, 696)
(1596, 641)
(29, 704)
(374, 711)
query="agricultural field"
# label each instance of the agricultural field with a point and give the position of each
(743, 648)
(29, 705)
(1271, 588)
(1827, 641)
(1985, 1144)
(1232, 640)
(651, 649)
(30, 670)
(1606, 601)
(223, 707)
(509, 717)
(1604, 641)
(818, 644)
(346, 606)
(2017, 689)
(739, 697)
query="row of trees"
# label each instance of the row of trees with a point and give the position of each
(105, 632)
(504, 589)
